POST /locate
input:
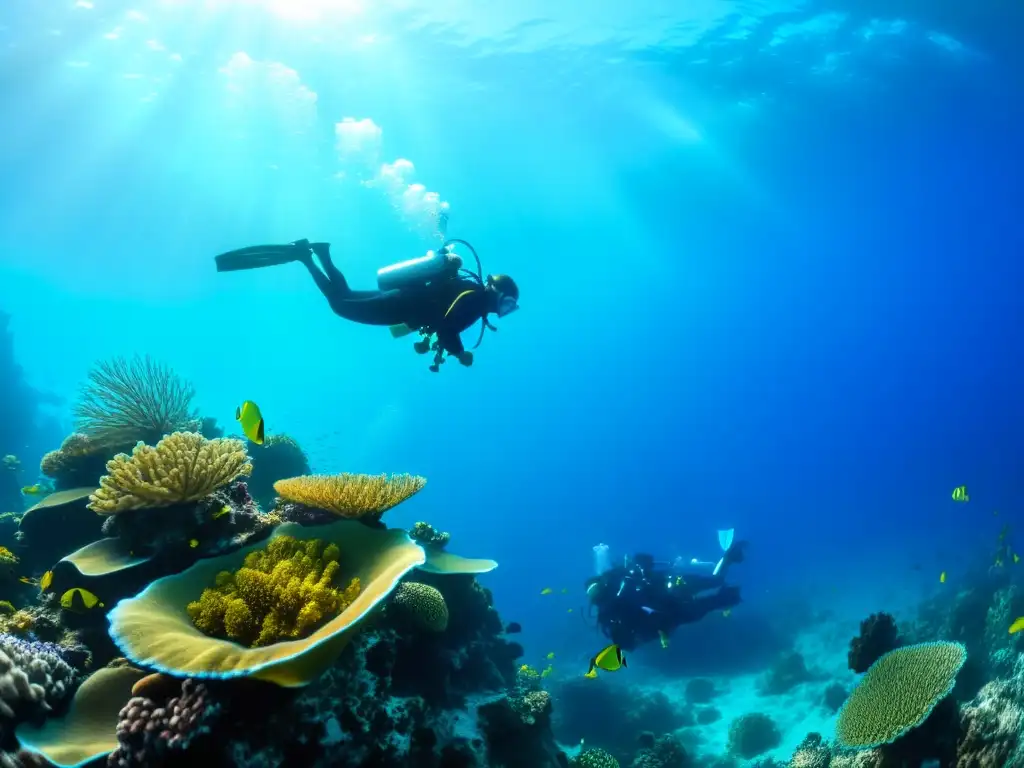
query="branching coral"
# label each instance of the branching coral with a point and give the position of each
(284, 591)
(752, 735)
(147, 732)
(898, 693)
(33, 676)
(429, 536)
(182, 467)
(992, 726)
(812, 752)
(349, 495)
(878, 635)
(594, 758)
(421, 604)
(128, 400)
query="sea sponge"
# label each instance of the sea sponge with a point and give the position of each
(281, 592)
(155, 629)
(423, 604)
(33, 676)
(130, 400)
(753, 734)
(878, 635)
(897, 693)
(594, 758)
(348, 495)
(182, 467)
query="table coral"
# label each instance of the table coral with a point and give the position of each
(281, 592)
(350, 495)
(182, 467)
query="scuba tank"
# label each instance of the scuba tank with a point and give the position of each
(420, 271)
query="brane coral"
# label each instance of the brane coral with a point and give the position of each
(182, 467)
(594, 758)
(423, 604)
(753, 734)
(33, 676)
(79, 461)
(283, 591)
(898, 693)
(349, 495)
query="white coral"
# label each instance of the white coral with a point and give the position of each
(31, 677)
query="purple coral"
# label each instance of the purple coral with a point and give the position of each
(147, 732)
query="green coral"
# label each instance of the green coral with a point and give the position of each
(897, 693)
(282, 592)
(423, 604)
(594, 758)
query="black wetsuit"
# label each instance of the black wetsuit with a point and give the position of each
(636, 604)
(446, 307)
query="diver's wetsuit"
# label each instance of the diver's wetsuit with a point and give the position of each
(635, 605)
(447, 307)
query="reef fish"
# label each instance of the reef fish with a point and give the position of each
(942, 578)
(35, 490)
(547, 591)
(1017, 625)
(610, 659)
(79, 600)
(960, 493)
(220, 512)
(249, 416)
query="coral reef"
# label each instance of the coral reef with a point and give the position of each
(898, 693)
(834, 696)
(33, 676)
(700, 690)
(278, 458)
(348, 495)
(80, 461)
(134, 400)
(182, 467)
(148, 731)
(878, 635)
(664, 752)
(992, 726)
(428, 536)
(422, 605)
(753, 734)
(283, 591)
(813, 752)
(595, 757)
(788, 672)
(707, 716)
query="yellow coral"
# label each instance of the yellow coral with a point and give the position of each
(7, 558)
(182, 467)
(349, 495)
(283, 591)
(423, 604)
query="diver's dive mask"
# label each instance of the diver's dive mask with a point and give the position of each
(506, 305)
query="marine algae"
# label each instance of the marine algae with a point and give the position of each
(282, 592)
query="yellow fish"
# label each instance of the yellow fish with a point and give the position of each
(547, 671)
(46, 580)
(942, 578)
(193, 543)
(34, 490)
(547, 591)
(1017, 626)
(221, 512)
(29, 580)
(79, 600)
(610, 659)
(249, 416)
(960, 493)
(550, 656)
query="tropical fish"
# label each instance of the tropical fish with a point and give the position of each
(942, 578)
(29, 580)
(79, 600)
(547, 670)
(609, 659)
(547, 591)
(35, 490)
(1017, 626)
(550, 656)
(960, 493)
(220, 512)
(249, 416)
(46, 580)
(1016, 558)
(663, 638)
(193, 543)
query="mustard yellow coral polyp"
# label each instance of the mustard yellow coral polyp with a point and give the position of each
(349, 495)
(154, 628)
(281, 592)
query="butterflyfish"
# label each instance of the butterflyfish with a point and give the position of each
(220, 512)
(1017, 626)
(45, 581)
(547, 670)
(34, 490)
(960, 493)
(550, 656)
(249, 416)
(610, 659)
(942, 578)
(193, 543)
(79, 600)
(547, 591)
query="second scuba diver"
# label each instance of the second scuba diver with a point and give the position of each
(432, 295)
(639, 602)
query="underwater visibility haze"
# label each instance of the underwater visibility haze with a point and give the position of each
(732, 478)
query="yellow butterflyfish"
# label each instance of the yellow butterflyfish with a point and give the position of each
(942, 578)
(1017, 626)
(960, 493)
(249, 417)
(547, 591)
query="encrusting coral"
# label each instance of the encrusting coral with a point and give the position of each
(422, 604)
(350, 495)
(284, 591)
(898, 693)
(131, 400)
(182, 467)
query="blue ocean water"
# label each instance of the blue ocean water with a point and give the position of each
(769, 256)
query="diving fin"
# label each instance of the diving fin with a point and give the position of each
(725, 542)
(256, 256)
(401, 330)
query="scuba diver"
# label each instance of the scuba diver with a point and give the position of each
(432, 295)
(642, 600)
